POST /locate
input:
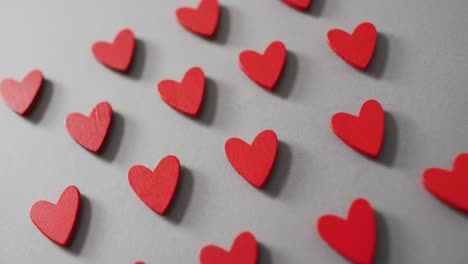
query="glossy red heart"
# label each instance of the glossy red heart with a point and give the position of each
(90, 132)
(253, 162)
(156, 188)
(355, 237)
(299, 4)
(117, 55)
(450, 187)
(243, 251)
(20, 96)
(186, 96)
(356, 49)
(57, 222)
(264, 69)
(203, 20)
(364, 133)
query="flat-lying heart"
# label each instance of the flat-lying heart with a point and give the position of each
(90, 132)
(299, 4)
(355, 237)
(203, 20)
(20, 96)
(57, 222)
(156, 188)
(118, 54)
(186, 96)
(243, 251)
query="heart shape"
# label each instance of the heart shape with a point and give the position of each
(90, 132)
(20, 96)
(186, 96)
(450, 186)
(156, 188)
(356, 49)
(117, 55)
(264, 69)
(253, 162)
(299, 4)
(364, 133)
(243, 251)
(57, 222)
(202, 20)
(355, 237)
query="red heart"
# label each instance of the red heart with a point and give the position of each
(186, 96)
(156, 188)
(243, 251)
(355, 237)
(117, 55)
(57, 222)
(356, 49)
(91, 131)
(264, 69)
(20, 96)
(253, 162)
(364, 133)
(203, 20)
(299, 4)
(450, 186)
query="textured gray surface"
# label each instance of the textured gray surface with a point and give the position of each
(419, 74)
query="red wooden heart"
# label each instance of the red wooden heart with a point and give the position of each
(243, 251)
(117, 55)
(253, 162)
(186, 96)
(156, 188)
(203, 20)
(355, 237)
(20, 96)
(57, 222)
(356, 49)
(450, 187)
(264, 69)
(90, 132)
(364, 133)
(299, 4)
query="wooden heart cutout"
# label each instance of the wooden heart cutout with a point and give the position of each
(118, 54)
(202, 20)
(21, 96)
(243, 251)
(298, 4)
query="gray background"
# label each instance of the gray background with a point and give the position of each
(419, 74)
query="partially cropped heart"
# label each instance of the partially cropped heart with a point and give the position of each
(264, 69)
(253, 162)
(357, 48)
(364, 133)
(299, 4)
(156, 188)
(57, 222)
(243, 251)
(203, 20)
(117, 55)
(186, 96)
(450, 187)
(90, 132)
(355, 237)
(20, 96)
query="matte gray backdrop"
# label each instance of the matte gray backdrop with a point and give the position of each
(419, 74)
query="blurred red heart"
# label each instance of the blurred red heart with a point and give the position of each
(299, 4)
(244, 250)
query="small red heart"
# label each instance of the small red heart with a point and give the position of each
(57, 222)
(355, 237)
(299, 4)
(243, 251)
(450, 187)
(364, 133)
(356, 49)
(20, 96)
(203, 20)
(253, 162)
(156, 188)
(91, 131)
(186, 96)
(117, 55)
(264, 69)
